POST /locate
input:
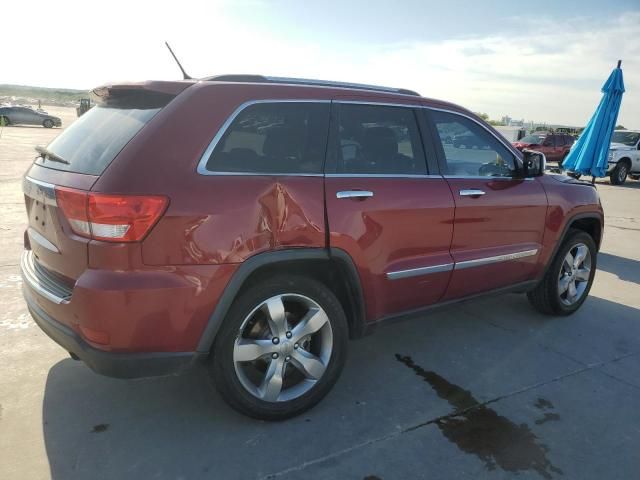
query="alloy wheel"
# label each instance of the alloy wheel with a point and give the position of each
(622, 173)
(283, 347)
(574, 275)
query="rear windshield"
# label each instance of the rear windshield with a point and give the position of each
(91, 143)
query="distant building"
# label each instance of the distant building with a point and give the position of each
(510, 122)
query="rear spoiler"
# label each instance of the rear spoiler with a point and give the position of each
(171, 88)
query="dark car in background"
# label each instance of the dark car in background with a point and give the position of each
(28, 116)
(555, 146)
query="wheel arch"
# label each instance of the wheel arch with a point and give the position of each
(590, 223)
(626, 160)
(333, 267)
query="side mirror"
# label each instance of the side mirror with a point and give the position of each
(534, 163)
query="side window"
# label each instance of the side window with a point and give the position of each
(559, 140)
(376, 139)
(470, 150)
(285, 137)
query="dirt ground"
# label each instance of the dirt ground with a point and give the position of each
(550, 397)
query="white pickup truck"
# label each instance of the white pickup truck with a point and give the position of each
(624, 156)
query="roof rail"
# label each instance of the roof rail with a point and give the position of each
(307, 81)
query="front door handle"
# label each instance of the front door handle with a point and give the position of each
(354, 194)
(472, 192)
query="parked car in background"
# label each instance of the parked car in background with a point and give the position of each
(468, 140)
(555, 146)
(624, 156)
(28, 116)
(255, 224)
(512, 134)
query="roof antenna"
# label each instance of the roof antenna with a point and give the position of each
(184, 74)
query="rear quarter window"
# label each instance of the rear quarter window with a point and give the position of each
(278, 137)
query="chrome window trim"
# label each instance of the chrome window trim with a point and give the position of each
(478, 262)
(202, 170)
(415, 272)
(202, 164)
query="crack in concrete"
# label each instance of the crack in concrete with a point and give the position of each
(624, 382)
(398, 433)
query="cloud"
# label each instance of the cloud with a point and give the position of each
(543, 69)
(550, 72)
(476, 50)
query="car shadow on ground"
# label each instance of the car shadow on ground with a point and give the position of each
(179, 427)
(626, 269)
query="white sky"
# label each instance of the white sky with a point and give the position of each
(498, 60)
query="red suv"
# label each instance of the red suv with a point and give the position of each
(555, 146)
(256, 224)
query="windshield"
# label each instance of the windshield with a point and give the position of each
(532, 139)
(91, 143)
(627, 138)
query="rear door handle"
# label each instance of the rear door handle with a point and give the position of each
(354, 194)
(472, 192)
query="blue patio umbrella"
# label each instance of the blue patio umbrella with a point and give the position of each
(588, 156)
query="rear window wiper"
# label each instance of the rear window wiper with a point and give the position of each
(46, 154)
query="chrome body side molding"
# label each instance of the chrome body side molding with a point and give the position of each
(414, 272)
(478, 262)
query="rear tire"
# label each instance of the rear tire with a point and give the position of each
(550, 296)
(273, 381)
(619, 173)
(47, 124)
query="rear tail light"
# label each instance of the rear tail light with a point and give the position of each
(111, 218)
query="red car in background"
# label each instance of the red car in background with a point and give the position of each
(555, 146)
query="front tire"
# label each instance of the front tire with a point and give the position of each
(619, 173)
(568, 280)
(47, 124)
(281, 348)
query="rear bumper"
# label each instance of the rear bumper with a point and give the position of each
(119, 365)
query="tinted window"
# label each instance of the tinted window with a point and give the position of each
(274, 138)
(472, 150)
(533, 138)
(93, 140)
(379, 140)
(559, 139)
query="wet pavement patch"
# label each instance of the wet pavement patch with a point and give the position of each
(478, 430)
(544, 404)
(101, 427)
